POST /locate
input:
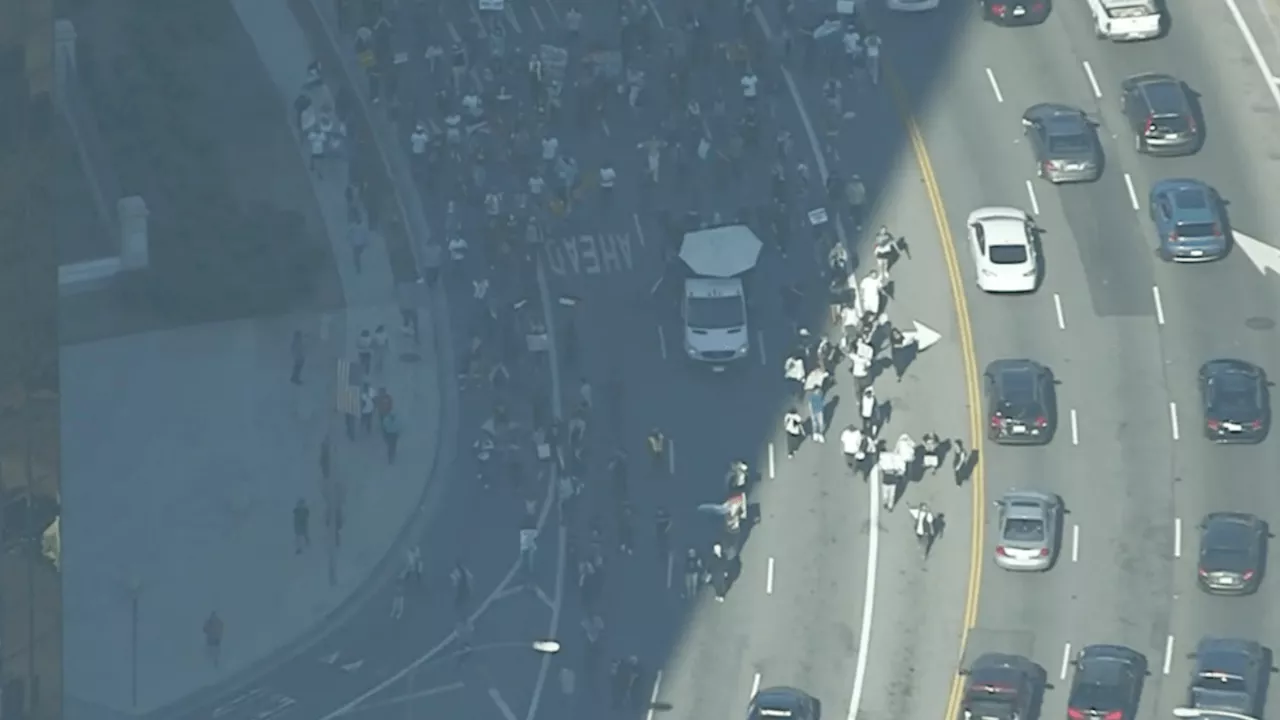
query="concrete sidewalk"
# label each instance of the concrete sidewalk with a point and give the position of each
(208, 447)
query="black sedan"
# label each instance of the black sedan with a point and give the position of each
(1107, 683)
(1020, 402)
(1065, 146)
(1237, 406)
(1233, 548)
(784, 703)
(1014, 12)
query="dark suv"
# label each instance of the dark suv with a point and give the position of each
(1019, 402)
(998, 686)
(1159, 110)
(1229, 675)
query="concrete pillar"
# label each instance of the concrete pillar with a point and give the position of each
(133, 213)
(64, 51)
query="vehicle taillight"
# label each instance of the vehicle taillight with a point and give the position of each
(1173, 237)
(996, 421)
(1213, 424)
(1001, 551)
(1248, 575)
(1204, 573)
(1042, 421)
(999, 9)
(1050, 166)
(1149, 128)
(1075, 714)
(1037, 7)
(1113, 715)
(1256, 425)
(1044, 552)
(1191, 123)
(1217, 231)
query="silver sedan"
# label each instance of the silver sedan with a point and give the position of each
(1027, 530)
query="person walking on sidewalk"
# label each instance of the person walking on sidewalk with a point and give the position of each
(662, 528)
(461, 578)
(657, 444)
(793, 426)
(301, 526)
(213, 629)
(298, 348)
(391, 435)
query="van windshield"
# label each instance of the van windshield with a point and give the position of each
(715, 313)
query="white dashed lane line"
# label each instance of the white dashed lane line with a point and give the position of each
(662, 342)
(1075, 543)
(1133, 194)
(1155, 296)
(1168, 655)
(1066, 661)
(1173, 420)
(1177, 537)
(1031, 193)
(653, 696)
(995, 86)
(1075, 427)
(768, 578)
(773, 467)
(1057, 308)
(671, 457)
(1093, 79)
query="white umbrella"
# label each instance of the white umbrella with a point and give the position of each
(722, 251)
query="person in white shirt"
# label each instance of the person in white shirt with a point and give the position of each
(316, 144)
(608, 178)
(850, 319)
(793, 426)
(867, 407)
(473, 105)
(550, 149)
(537, 185)
(871, 293)
(852, 44)
(816, 380)
(573, 22)
(750, 86)
(925, 527)
(457, 248)
(851, 444)
(793, 370)
(873, 57)
(860, 367)
(419, 140)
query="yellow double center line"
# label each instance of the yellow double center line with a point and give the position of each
(971, 375)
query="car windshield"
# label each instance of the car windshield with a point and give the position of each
(1220, 690)
(716, 313)
(1095, 695)
(1008, 254)
(1024, 530)
(1197, 230)
(1069, 144)
(1171, 124)
(1225, 536)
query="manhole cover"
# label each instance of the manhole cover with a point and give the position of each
(1260, 323)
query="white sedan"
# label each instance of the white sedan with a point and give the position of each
(1004, 253)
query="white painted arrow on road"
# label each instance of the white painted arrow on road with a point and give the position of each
(353, 666)
(1263, 256)
(922, 335)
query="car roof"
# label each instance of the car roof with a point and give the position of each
(1058, 119)
(1160, 90)
(999, 367)
(1112, 652)
(1231, 518)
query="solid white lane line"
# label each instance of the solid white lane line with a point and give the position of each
(1173, 419)
(760, 344)
(995, 86)
(653, 696)
(755, 685)
(1273, 82)
(671, 456)
(1035, 204)
(1075, 543)
(1155, 295)
(869, 593)
(1168, 655)
(1066, 661)
(671, 566)
(773, 468)
(1057, 307)
(510, 12)
(1133, 194)
(662, 342)
(768, 578)
(1075, 428)
(1093, 79)
(1177, 537)
(554, 13)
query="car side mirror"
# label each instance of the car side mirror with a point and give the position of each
(1027, 123)
(1146, 673)
(1270, 384)
(1275, 670)
(963, 672)
(1191, 656)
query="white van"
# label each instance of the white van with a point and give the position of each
(1125, 19)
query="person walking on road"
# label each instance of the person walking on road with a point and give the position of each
(852, 443)
(213, 629)
(366, 408)
(793, 370)
(925, 526)
(855, 193)
(793, 426)
(932, 452)
(391, 430)
(626, 534)
(718, 570)
(657, 445)
(397, 596)
(960, 461)
(901, 352)
(693, 572)
(301, 526)
(461, 579)
(364, 351)
(885, 249)
(584, 395)
(868, 408)
(662, 533)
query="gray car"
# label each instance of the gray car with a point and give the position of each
(1064, 143)
(1027, 530)
(1229, 675)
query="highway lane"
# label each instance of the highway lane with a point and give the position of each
(1148, 477)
